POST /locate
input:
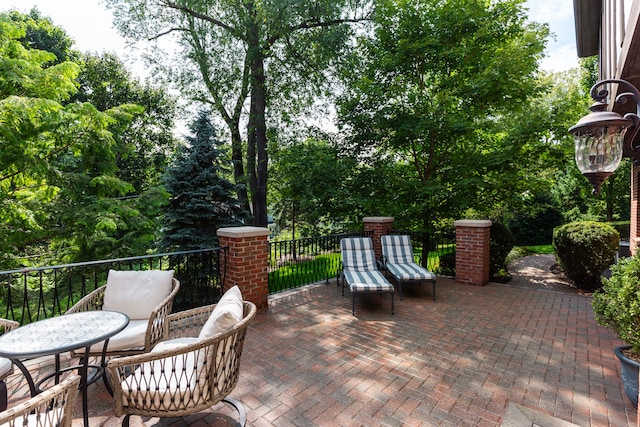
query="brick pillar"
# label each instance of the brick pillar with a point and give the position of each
(472, 251)
(379, 226)
(246, 262)
(634, 235)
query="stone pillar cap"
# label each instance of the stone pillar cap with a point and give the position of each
(377, 219)
(480, 223)
(243, 232)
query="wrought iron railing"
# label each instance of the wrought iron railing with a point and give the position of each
(434, 251)
(31, 294)
(295, 263)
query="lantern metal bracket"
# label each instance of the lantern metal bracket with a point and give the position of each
(627, 91)
(603, 136)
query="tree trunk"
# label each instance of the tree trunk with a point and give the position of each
(238, 168)
(257, 134)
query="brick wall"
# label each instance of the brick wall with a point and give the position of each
(472, 251)
(634, 237)
(246, 262)
(379, 226)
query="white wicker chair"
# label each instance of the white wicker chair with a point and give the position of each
(51, 408)
(6, 367)
(189, 376)
(151, 328)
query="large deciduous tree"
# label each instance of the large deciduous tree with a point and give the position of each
(76, 182)
(246, 59)
(308, 186)
(430, 89)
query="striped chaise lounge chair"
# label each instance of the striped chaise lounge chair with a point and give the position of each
(397, 258)
(359, 270)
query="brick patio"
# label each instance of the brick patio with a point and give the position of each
(476, 356)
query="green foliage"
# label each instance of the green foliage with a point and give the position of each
(501, 242)
(435, 89)
(72, 183)
(617, 304)
(534, 224)
(307, 187)
(144, 140)
(623, 228)
(585, 249)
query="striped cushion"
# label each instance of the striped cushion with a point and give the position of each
(367, 281)
(410, 272)
(397, 249)
(357, 254)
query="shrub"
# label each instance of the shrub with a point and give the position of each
(584, 250)
(447, 265)
(501, 242)
(534, 222)
(617, 304)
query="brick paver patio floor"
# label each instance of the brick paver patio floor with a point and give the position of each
(473, 357)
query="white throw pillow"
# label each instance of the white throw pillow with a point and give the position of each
(136, 293)
(227, 313)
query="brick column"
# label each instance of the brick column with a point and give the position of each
(380, 226)
(634, 235)
(472, 251)
(246, 262)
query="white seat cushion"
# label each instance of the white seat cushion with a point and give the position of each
(227, 313)
(5, 367)
(49, 418)
(173, 344)
(174, 382)
(137, 293)
(130, 337)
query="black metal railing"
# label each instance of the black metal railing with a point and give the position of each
(295, 263)
(31, 294)
(434, 251)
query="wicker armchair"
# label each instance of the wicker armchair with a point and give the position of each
(184, 375)
(6, 367)
(51, 408)
(141, 334)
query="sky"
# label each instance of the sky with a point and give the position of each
(88, 22)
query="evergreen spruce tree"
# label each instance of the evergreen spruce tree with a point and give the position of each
(202, 200)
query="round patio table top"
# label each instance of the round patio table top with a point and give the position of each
(61, 333)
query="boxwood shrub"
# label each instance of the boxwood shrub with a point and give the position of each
(584, 250)
(501, 242)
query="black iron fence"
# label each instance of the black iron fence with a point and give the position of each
(295, 263)
(31, 294)
(434, 251)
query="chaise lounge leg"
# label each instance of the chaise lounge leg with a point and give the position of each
(353, 303)
(392, 298)
(434, 290)
(242, 413)
(125, 420)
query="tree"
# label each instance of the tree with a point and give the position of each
(37, 130)
(64, 197)
(429, 89)
(307, 180)
(264, 54)
(143, 145)
(202, 199)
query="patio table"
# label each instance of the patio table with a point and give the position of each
(57, 335)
